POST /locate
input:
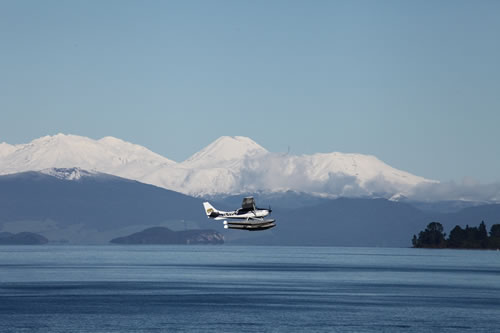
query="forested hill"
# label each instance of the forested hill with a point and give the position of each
(459, 238)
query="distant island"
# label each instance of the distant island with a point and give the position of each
(22, 238)
(468, 238)
(161, 235)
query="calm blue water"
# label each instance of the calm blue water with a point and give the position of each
(247, 289)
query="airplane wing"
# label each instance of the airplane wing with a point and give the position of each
(248, 203)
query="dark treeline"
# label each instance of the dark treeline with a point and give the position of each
(468, 238)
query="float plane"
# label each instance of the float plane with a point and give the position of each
(248, 217)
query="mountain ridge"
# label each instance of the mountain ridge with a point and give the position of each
(229, 165)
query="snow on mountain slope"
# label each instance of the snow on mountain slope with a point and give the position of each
(69, 173)
(229, 165)
(333, 174)
(195, 182)
(364, 167)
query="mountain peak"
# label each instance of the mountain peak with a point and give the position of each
(111, 140)
(225, 149)
(236, 141)
(6, 149)
(58, 136)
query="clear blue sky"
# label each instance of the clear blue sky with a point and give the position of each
(415, 83)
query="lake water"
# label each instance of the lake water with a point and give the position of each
(247, 289)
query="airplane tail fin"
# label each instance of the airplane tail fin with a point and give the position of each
(210, 210)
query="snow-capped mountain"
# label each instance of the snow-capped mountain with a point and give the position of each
(229, 165)
(109, 155)
(225, 152)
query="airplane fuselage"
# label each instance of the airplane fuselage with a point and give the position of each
(243, 215)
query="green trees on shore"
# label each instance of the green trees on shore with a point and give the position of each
(468, 238)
